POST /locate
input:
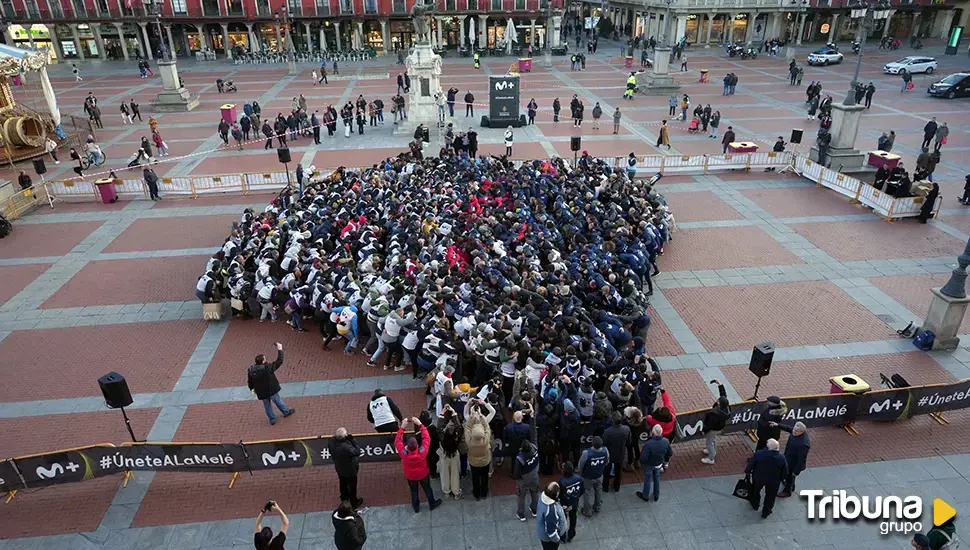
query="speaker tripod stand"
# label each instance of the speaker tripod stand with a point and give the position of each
(757, 387)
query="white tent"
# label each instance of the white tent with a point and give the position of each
(509, 36)
(472, 37)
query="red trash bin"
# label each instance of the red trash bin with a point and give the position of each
(525, 65)
(229, 113)
(629, 62)
(106, 188)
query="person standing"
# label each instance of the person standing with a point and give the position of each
(223, 129)
(597, 113)
(767, 468)
(237, 136)
(796, 455)
(942, 134)
(262, 381)
(345, 453)
(268, 133)
(509, 140)
(348, 528)
(246, 125)
(672, 103)
(715, 122)
(616, 120)
(727, 140)
(556, 107)
(615, 438)
(472, 137)
(50, 147)
(151, 181)
(478, 440)
(655, 453)
(663, 138)
(907, 80)
(450, 436)
(24, 180)
(96, 116)
(870, 91)
(592, 465)
(525, 472)
(264, 539)
(414, 461)
(684, 105)
(159, 144)
(383, 413)
(774, 411)
(714, 421)
(570, 489)
(469, 100)
(452, 96)
(551, 522)
(929, 132)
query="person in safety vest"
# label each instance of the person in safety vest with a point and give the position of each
(478, 63)
(631, 86)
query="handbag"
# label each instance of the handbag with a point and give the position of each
(743, 488)
(943, 141)
(910, 86)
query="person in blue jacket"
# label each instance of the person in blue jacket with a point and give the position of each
(570, 489)
(551, 523)
(767, 469)
(796, 454)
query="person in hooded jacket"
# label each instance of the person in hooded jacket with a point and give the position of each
(634, 418)
(452, 437)
(570, 432)
(262, 381)
(434, 443)
(796, 454)
(348, 528)
(345, 453)
(714, 421)
(768, 428)
(414, 461)
(478, 440)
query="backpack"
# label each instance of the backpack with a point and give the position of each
(952, 542)
(924, 340)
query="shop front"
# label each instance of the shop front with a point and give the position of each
(740, 24)
(112, 42)
(39, 33)
(402, 35)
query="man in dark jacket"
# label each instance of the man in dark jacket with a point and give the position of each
(929, 132)
(262, 380)
(656, 452)
(768, 428)
(469, 100)
(345, 453)
(348, 528)
(151, 181)
(616, 438)
(515, 433)
(767, 469)
(796, 455)
(727, 139)
(714, 421)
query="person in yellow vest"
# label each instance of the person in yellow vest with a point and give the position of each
(478, 62)
(631, 86)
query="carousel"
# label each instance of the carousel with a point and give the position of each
(26, 124)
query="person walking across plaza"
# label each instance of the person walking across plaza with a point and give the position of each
(942, 135)
(617, 116)
(135, 110)
(345, 453)
(414, 461)
(663, 137)
(348, 528)
(929, 132)
(551, 522)
(655, 453)
(77, 73)
(262, 381)
(796, 455)
(767, 469)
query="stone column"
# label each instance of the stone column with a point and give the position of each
(336, 30)
(171, 41)
(461, 31)
(77, 43)
(55, 42)
(359, 35)
(203, 44)
(885, 28)
(439, 29)
(729, 27)
(385, 35)
(482, 30)
(250, 37)
(556, 31)
(681, 29)
(710, 27)
(30, 36)
(917, 21)
(279, 38)
(226, 45)
(323, 38)
(801, 29)
(309, 37)
(532, 35)
(288, 37)
(96, 31)
(121, 38)
(146, 46)
(833, 35)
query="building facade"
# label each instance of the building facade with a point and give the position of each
(124, 29)
(717, 21)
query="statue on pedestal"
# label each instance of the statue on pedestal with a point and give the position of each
(421, 19)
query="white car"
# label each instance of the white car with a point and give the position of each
(824, 56)
(911, 65)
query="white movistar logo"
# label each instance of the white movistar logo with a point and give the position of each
(278, 456)
(505, 85)
(885, 405)
(55, 470)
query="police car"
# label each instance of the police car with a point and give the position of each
(825, 56)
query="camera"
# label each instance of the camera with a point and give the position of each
(269, 505)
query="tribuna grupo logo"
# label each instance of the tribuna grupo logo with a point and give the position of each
(894, 514)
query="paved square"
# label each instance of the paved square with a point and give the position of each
(174, 233)
(700, 206)
(16, 277)
(802, 202)
(871, 240)
(54, 239)
(724, 247)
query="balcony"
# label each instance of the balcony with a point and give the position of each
(346, 7)
(399, 6)
(370, 7)
(725, 4)
(210, 8)
(79, 11)
(295, 8)
(323, 8)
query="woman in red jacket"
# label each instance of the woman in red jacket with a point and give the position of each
(664, 416)
(414, 461)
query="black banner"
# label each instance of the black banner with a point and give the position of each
(9, 479)
(56, 468)
(884, 405)
(176, 457)
(945, 397)
(503, 98)
(277, 455)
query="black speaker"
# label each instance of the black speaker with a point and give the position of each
(796, 135)
(761, 357)
(284, 154)
(40, 167)
(485, 121)
(114, 388)
(575, 143)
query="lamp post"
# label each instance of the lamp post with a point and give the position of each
(868, 15)
(153, 9)
(665, 39)
(283, 18)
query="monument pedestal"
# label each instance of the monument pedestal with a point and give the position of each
(944, 318)
(658, 81)
(424, 68)
(844, 131)
(173, 98)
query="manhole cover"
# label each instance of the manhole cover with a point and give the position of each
(888, 319)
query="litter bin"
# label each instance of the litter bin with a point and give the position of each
(705, 76)
(106, 188)
(229, 113)
(525, 65)
(849, 383)
(629, 62)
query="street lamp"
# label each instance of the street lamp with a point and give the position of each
(666, 37)
(153, 9)
(868, 15)
(283, 17)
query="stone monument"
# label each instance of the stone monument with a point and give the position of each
(173, 98)
(949, 305)
(657, 81)
(844, 130)
(424, 68)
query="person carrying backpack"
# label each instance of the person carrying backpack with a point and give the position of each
(943, 537)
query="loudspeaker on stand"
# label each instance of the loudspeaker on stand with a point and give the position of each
(114, 388)
(796, 135)
(284, 154)
(761, 357)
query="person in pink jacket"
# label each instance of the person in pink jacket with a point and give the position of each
(414, 461)
(665, 416)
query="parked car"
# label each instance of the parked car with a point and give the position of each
(824, 56)
(955, 85)
(912, 65)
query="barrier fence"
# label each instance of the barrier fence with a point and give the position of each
(95, 461)
(881, 203)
